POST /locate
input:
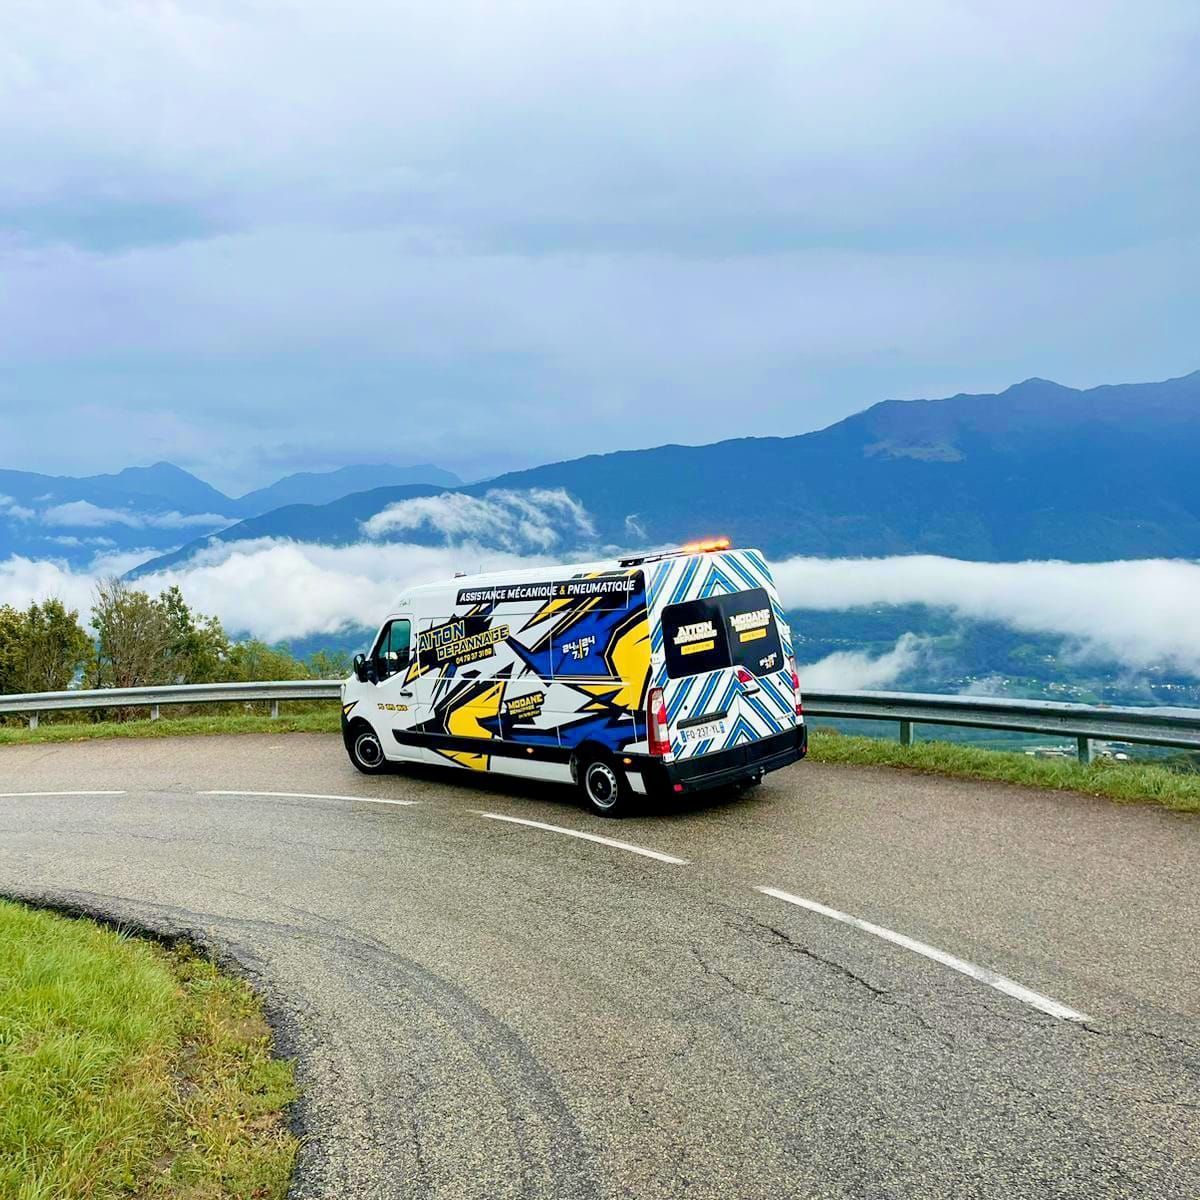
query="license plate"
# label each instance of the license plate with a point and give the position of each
(701, 733)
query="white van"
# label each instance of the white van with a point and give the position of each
(661, 673)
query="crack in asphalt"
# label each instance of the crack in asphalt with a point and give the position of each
(882, 995)
(840, 968)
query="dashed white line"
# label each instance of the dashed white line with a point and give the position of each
(589, 837)
(983, 974)
(311, 796)
(23, 795)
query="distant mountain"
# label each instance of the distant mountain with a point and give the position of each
(1037, 471)
(167, 484)
(74, 519)
(157, 508)
(310, 487)
(330, 524)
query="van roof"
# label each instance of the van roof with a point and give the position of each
(520, 575)
(542, 571)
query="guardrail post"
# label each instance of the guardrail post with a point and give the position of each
(1084, 750)
(906, 736)
(33, 720)
(274, 709)
(154, 712)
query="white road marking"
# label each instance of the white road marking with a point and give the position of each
(312, 796)
(21, 795)
(589, 837)
(1000, 982)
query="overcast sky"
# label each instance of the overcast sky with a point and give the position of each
(255, 236)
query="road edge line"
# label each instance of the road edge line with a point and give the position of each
(1010, 987)
(588, 837)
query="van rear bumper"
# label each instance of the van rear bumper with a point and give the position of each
(726, 766)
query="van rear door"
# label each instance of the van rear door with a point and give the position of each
(728, 676)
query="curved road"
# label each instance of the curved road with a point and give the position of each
(486, 1009)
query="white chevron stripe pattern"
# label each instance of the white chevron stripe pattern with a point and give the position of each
(749, 717)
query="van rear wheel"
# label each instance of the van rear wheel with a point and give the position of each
(366, 753)
(604, 788)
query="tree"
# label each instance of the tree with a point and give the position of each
(199, 646)
(53, 647)
(11, 627)
(254, 660)
(329, 664)
(133, 637)
(41, 649)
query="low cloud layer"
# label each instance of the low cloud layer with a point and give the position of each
(521, 522)
(271, 589)
(17, 512)
(853, 671)
(1141, 614)
(83, 514)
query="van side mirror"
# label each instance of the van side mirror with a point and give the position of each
(360, 668)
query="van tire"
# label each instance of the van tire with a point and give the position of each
(366, 752)
(603, 785)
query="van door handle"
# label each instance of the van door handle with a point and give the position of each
(406, 693)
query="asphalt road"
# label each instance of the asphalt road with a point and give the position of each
(485, 1009)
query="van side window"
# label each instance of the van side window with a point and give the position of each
(391, 653)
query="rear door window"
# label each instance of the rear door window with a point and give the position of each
(752, 632)
(694, 638)
(737, 630)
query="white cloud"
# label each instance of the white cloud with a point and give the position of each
(988, 685)
(852, 671)
(71, 540)
(83, 514)
(228, 106)
(10, 508)
(270, 589)
(530, 521)
(1139, 613)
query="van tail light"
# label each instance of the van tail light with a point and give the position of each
(749, 683)
(656, 723)
(796, 688)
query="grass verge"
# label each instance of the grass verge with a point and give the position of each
(1130, 782)
(128, 1069)
(324, 719)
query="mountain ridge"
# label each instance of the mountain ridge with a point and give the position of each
(152, 508)
(1039, 470)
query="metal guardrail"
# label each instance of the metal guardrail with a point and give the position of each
(153, 698)
(1174, 727)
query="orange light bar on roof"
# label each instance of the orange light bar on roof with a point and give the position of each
(705, 545)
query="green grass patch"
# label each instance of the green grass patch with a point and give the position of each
(323, 719)
(130, 1070)
(1132, 782)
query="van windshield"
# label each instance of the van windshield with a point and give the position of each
(737, 630)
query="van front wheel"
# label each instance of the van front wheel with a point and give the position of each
(365, 751)
(604, 787)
